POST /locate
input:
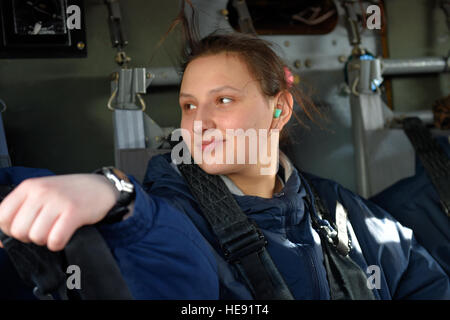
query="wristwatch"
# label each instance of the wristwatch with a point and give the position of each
(126, 193)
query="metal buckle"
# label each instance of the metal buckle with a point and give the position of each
(329, 233)
(333, 238)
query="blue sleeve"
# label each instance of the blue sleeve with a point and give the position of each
(161, 254)
(410, 272)
(407, 269)
(15, 175)
(415, 203)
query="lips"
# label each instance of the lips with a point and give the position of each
(210, 144)
(206, 143)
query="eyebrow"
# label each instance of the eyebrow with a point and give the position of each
(182, 94)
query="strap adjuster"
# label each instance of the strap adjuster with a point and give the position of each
(251, 242)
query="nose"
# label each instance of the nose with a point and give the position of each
(204, 120)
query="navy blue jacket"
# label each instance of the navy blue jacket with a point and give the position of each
(414, 202)
(167, 253)
(406, 269)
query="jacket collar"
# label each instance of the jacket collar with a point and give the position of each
(284, 172)
(284, 209)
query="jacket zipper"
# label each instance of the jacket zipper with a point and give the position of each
(314, 272)
(321, 283)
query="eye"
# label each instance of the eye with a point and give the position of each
(189, 106)
(225, 100)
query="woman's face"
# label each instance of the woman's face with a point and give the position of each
(218, 95)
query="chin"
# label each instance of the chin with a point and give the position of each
(217, 169)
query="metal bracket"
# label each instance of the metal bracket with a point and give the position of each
(245, 20)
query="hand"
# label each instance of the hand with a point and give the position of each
(48, 210)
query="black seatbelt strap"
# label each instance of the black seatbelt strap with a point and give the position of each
(433, 158)
(242, 242)
(346, 279)
(101, 278)
(38, 267)
(45, 270)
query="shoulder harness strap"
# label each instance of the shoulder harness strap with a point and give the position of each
(242, 242)
(433, 158)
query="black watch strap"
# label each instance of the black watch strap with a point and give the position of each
(126, 193)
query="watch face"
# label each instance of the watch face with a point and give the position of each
(39, 17)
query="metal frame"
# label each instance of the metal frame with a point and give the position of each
(368, 113)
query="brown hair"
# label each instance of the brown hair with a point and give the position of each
(262, 61)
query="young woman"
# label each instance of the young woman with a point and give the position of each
(165, 248)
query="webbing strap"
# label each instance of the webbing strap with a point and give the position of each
(101, 278)
(346, 279)
(36, 265)
(242, 242)
(44, 270)
(433, 158)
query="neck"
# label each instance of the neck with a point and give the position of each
(257, 181)
(263, 186)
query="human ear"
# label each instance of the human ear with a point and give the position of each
(282, 112)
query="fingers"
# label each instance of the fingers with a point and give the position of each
(23, 220)
(46, 226)
(61, 232)
(42, 225)
(8, 209)
(48, 210)
(28, 214)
